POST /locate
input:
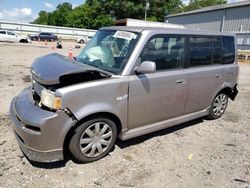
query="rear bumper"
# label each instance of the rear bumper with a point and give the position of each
(40, 134)
(234, 92)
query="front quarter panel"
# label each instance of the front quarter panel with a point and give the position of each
(106, 95)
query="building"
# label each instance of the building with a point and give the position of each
(232, 17)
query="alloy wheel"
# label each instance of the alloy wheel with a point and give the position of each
(220, 104)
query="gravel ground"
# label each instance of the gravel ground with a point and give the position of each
(200, 153)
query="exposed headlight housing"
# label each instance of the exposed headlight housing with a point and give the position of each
(49, 100)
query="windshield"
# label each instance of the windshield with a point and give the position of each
(109, 50)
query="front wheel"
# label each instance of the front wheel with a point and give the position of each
(218, 106)
(93, 139)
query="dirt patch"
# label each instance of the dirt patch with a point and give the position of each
(26, 79)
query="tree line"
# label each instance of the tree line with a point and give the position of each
(94, 14)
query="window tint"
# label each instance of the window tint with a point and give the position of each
(200, 51)
(2, 32)
(217, 50)
(228, 50)
(166, 51)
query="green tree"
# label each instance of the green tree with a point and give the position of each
(98, 13)
(42, 18)
(61, 14)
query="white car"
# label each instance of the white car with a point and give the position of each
(10, 36)
(83, 39)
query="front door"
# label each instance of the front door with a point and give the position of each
(12, 37)
(161, 95)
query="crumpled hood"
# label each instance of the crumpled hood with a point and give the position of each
(53, 68)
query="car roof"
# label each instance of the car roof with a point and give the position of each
(166, 30)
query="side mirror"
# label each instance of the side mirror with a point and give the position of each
(146, 67)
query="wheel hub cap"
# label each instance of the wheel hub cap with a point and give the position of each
(96, 139)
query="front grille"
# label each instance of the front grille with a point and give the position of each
(20, 138)
(33, 128)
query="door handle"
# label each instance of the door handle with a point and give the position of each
(180, 81)
(218, 76)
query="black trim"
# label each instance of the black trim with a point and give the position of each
(234, 92)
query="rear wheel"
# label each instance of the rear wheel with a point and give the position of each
(218, 106)
(23, 41)
(82, 41)
(93, 139)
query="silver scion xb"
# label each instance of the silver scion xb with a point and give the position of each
(128, 81)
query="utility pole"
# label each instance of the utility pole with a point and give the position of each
(146, 8)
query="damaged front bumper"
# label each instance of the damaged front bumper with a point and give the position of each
(40, 133)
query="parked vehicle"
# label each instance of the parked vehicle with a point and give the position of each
(142, 80)
(10, 36)
(44, 36)
(83, 39)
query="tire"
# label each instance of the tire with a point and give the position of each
(90, 143)
(23, 41)
(218, 106)
(82, 41)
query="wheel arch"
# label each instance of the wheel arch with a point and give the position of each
(71, 132)
(226, 90)
(231, 92)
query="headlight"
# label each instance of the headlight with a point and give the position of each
(48, 99)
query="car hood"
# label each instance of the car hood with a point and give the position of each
(54, 69)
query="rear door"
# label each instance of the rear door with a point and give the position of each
(161, 95)
(206, 74)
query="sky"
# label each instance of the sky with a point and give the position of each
(27, 10)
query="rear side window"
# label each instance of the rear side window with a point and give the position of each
(217, 56)
(200, 51)
(2, 32)
(228, 50)
(167, 51)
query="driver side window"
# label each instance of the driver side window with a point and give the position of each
(167, 51)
